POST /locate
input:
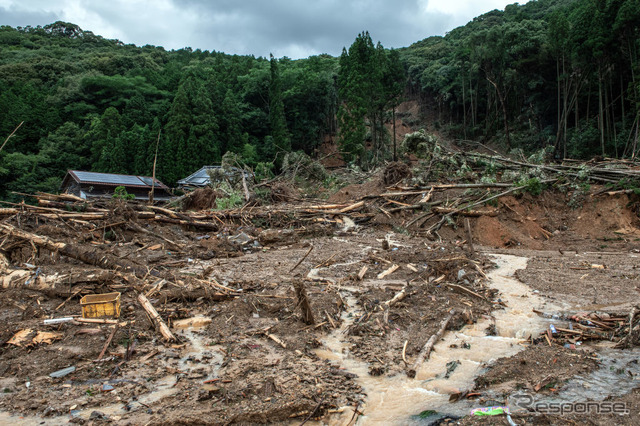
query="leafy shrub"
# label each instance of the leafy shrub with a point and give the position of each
(120, 193)
(232, 201)
(299, 164)
(533, 186)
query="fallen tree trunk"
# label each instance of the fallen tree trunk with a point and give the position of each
(470, 213)
(56, 285)
(428, 347)
(211, 226)
(91, 256)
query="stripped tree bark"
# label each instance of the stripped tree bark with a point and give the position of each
(91, 256)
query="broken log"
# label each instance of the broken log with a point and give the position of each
(8, 211)
(362, 272)
(303, 302)
(352, 207)
(389, 271)
(395, 299)
(464, 290)
(4, 262)
(277, 340)
(156, 318)
(428, 347)
(57, 285)
(211, 226)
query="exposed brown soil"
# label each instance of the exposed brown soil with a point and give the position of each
(200, 199)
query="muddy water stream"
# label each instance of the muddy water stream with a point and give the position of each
(395, 400)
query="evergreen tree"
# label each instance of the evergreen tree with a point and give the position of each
(367, 90)
(191, 138)
(231, 124)
(277, 121)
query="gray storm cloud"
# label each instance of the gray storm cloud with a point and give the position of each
(291, 28)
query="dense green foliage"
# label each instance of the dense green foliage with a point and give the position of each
(371, 81)
(555, 74)
(96, 104)
(560, 73)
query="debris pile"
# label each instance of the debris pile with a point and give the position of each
(226, 313)
(623, 331)
(219, 311)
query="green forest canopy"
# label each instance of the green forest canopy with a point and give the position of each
(556, 74)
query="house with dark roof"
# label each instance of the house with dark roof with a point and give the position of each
(102, 185)
(201, 178)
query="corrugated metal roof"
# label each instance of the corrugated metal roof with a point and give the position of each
(114, 179)
(201, 177)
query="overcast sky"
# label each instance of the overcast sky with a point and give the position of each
(293, 28)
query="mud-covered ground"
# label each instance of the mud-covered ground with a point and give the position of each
(252, 358)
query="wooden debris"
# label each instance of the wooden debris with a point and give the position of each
(467, 227)
(303, 302)
(395, 299)
(277, 340)
(107, 343)
(471, 213)
(91, 256)
(96, 321)
(464, 290)
(352, 207)
(301, 260)
(333, 324)
(388, 272)
(428, 347)
(362, 272)
(155, 317)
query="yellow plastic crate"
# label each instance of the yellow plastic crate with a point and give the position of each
(101, 305)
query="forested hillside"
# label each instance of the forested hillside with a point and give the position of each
(97, 104)
(556, 74)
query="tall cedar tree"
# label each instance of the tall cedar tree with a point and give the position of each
(371, 82)
(355, 89)
(278, 124)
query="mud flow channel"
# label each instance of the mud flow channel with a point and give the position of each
(397, 399)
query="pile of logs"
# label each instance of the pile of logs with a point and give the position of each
(623, 330)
